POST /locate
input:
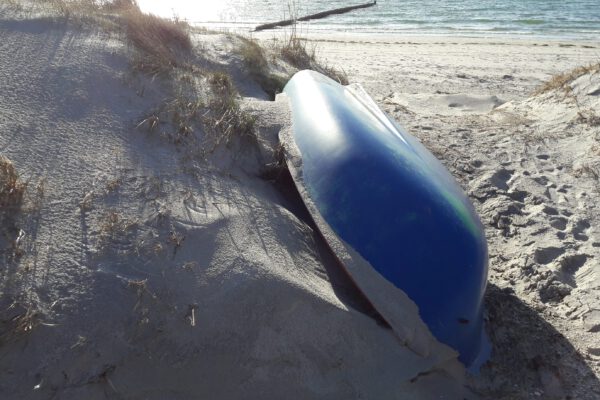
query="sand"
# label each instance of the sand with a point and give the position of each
(149, 269)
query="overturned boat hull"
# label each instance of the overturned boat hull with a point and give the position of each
(380, 197)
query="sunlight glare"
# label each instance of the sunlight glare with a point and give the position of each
(205, 10)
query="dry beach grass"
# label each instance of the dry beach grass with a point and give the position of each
(162, 43)
(12, 188)
(563, 79)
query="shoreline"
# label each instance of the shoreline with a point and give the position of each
(305, 30)
(412, 38)
(358, 38)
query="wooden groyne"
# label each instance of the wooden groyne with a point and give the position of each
(319, 15)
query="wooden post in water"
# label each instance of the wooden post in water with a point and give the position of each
(319, 15)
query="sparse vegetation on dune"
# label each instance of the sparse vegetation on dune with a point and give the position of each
(562, 80)
(293, 51)
(297, 52)
(12, 188)
(589, 117)
(565, 85)
(12, 192)
(226, 119)
(203, 105)
(162, 46)
(17, 321)
(255, 60)
(161, 43)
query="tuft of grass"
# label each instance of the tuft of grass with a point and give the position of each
(115, 228)
(183, 113)
(588, 117)
(162, 43)
(586, 169)
(561, 81)
(20, 322)
(338, 75)
(256, 63)
(226, 119)
(12, 188)
(253, 55)
(296, 51)
(176, 239)
(149, 122)
(222, 83)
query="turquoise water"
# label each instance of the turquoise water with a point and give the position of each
(577, 19)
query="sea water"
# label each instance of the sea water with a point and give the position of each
(574, 19)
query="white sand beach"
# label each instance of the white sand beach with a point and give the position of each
(157, 252)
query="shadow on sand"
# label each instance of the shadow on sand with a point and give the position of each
(530, 358)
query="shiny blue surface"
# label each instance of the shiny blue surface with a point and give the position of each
(384, 194)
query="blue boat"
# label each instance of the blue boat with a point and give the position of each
(387, 197)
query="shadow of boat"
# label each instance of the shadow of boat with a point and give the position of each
(530, 358)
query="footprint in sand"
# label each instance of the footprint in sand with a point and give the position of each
(556, 285)
(559, 223)
(501, 177)
(579, 230)
(542, 180)
(591, 321)
(487, 186)
(546, 255)
(572, 263)
(518, 195)
(550, 210)
(551, 190)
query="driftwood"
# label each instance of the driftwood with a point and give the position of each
(319, 15)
